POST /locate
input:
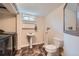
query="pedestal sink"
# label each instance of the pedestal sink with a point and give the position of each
(30, 35)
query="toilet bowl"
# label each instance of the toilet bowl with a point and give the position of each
(52, 48)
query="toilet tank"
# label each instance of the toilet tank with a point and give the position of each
(58, 42)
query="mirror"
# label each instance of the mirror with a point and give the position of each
(70, 17)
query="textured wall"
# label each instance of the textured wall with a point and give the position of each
(54, 20)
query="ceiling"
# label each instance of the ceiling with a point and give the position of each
(37, 9)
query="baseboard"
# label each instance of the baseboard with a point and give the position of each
(33, 44)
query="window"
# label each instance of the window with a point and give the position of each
(28, 19)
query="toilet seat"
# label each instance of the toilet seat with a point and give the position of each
(51, 48)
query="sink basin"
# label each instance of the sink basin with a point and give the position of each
(30, 34)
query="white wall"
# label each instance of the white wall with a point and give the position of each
(54, 20)
(71, 45)
(22, 38)
(8, 23)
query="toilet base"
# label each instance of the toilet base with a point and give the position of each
(52, 54)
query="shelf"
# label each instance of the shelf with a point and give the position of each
(27, 28)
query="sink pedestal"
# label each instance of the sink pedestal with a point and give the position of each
(30, 35)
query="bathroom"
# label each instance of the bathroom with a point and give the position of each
(42, 23)
(40, 29)
(47, 24)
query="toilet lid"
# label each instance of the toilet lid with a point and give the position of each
(51, 47)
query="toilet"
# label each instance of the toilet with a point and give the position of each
(51, 49)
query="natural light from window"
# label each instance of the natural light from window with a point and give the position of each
(29, 18)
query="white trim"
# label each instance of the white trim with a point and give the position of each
(33, 44)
